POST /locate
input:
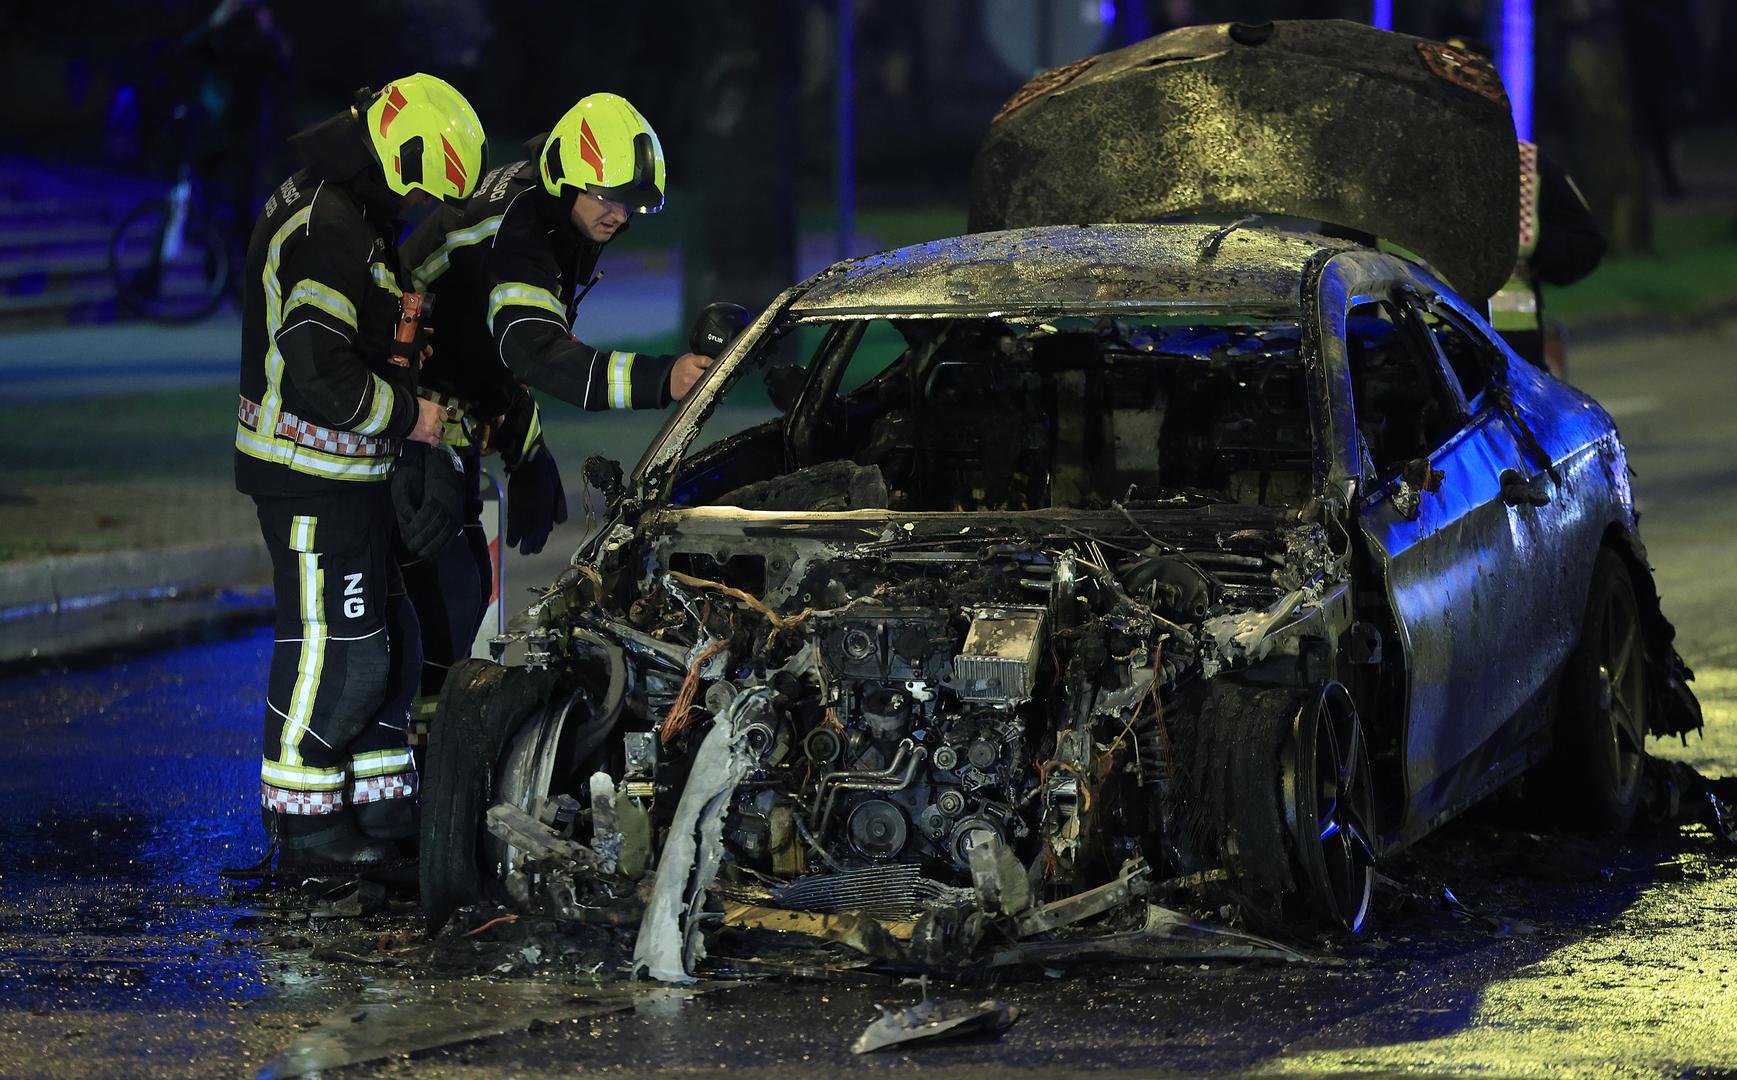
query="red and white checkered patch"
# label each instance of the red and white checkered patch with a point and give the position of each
(328, 440)
(1528, 198)
(380, 788)
(285, 801)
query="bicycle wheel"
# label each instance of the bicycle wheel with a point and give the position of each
(167, 278)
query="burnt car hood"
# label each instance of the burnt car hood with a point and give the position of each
(1406, 139)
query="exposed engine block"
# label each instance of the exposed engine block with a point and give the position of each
(923, 748)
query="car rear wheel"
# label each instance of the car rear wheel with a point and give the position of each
(1329, 805)
(1594, 773)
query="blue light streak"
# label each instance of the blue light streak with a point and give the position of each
(1514, 60)
(1382, 16)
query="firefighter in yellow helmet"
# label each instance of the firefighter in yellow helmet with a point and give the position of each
(324, 411)
(508, 270)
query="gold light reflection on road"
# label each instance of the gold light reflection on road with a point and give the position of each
(1651, 993)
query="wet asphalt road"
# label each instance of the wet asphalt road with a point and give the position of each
(124, 788)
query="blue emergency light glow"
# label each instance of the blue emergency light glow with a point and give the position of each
(1514, 60)
(1106, 11)
(1382, 16)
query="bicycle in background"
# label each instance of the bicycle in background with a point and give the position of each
(169, 257)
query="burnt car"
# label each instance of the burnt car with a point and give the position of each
(990, 585)
(1222, 557)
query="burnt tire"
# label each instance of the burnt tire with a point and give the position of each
(1276, 790)
(1229, 809)
(1592, 778)
(482, 704)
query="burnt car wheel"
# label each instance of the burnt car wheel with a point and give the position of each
(1594, 774)
(1329, 803)
(482, 705)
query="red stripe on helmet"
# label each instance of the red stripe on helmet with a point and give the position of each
(454, 167)
(394, 102)
(589, 152)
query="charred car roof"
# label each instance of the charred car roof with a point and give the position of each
(1080, 268)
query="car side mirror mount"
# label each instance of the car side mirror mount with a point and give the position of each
(606, 475)
(1415, 479)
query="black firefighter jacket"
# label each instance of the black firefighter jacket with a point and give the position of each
(506, 270)
(321, 407)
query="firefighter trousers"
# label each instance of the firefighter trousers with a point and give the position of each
(451, 593)
(345, 658)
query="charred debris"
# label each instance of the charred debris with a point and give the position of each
(944, 742)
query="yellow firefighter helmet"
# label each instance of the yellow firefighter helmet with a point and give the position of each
(605, 147)
(427, 138)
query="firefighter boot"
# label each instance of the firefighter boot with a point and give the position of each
(316, 842)
(390, 820)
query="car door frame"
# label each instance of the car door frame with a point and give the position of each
(1428, 567)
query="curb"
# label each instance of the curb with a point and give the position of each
(64, 606)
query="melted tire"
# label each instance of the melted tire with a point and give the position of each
(1230, 806)
(482, 704)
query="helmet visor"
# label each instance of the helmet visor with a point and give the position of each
(641, 194)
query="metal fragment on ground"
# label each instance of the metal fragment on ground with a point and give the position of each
(1129, 884)
(534, 838)
(1167, 935)
(350, 901)
(934, 1019)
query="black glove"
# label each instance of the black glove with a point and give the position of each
(428, 495)
(536, 502)
(520, 432)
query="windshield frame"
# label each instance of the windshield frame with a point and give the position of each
(652, 478)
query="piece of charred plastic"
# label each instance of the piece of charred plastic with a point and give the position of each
(604, 474)
(934, 1019)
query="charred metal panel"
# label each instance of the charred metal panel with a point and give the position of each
(1572, 455)
(1395, 136)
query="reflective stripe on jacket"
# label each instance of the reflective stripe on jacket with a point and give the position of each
(320, 304)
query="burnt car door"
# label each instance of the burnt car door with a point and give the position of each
(1430, 508)
(1541, 583)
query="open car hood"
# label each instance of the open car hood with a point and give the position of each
(1406, 139)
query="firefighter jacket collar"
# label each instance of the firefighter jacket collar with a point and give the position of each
(336, 150)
